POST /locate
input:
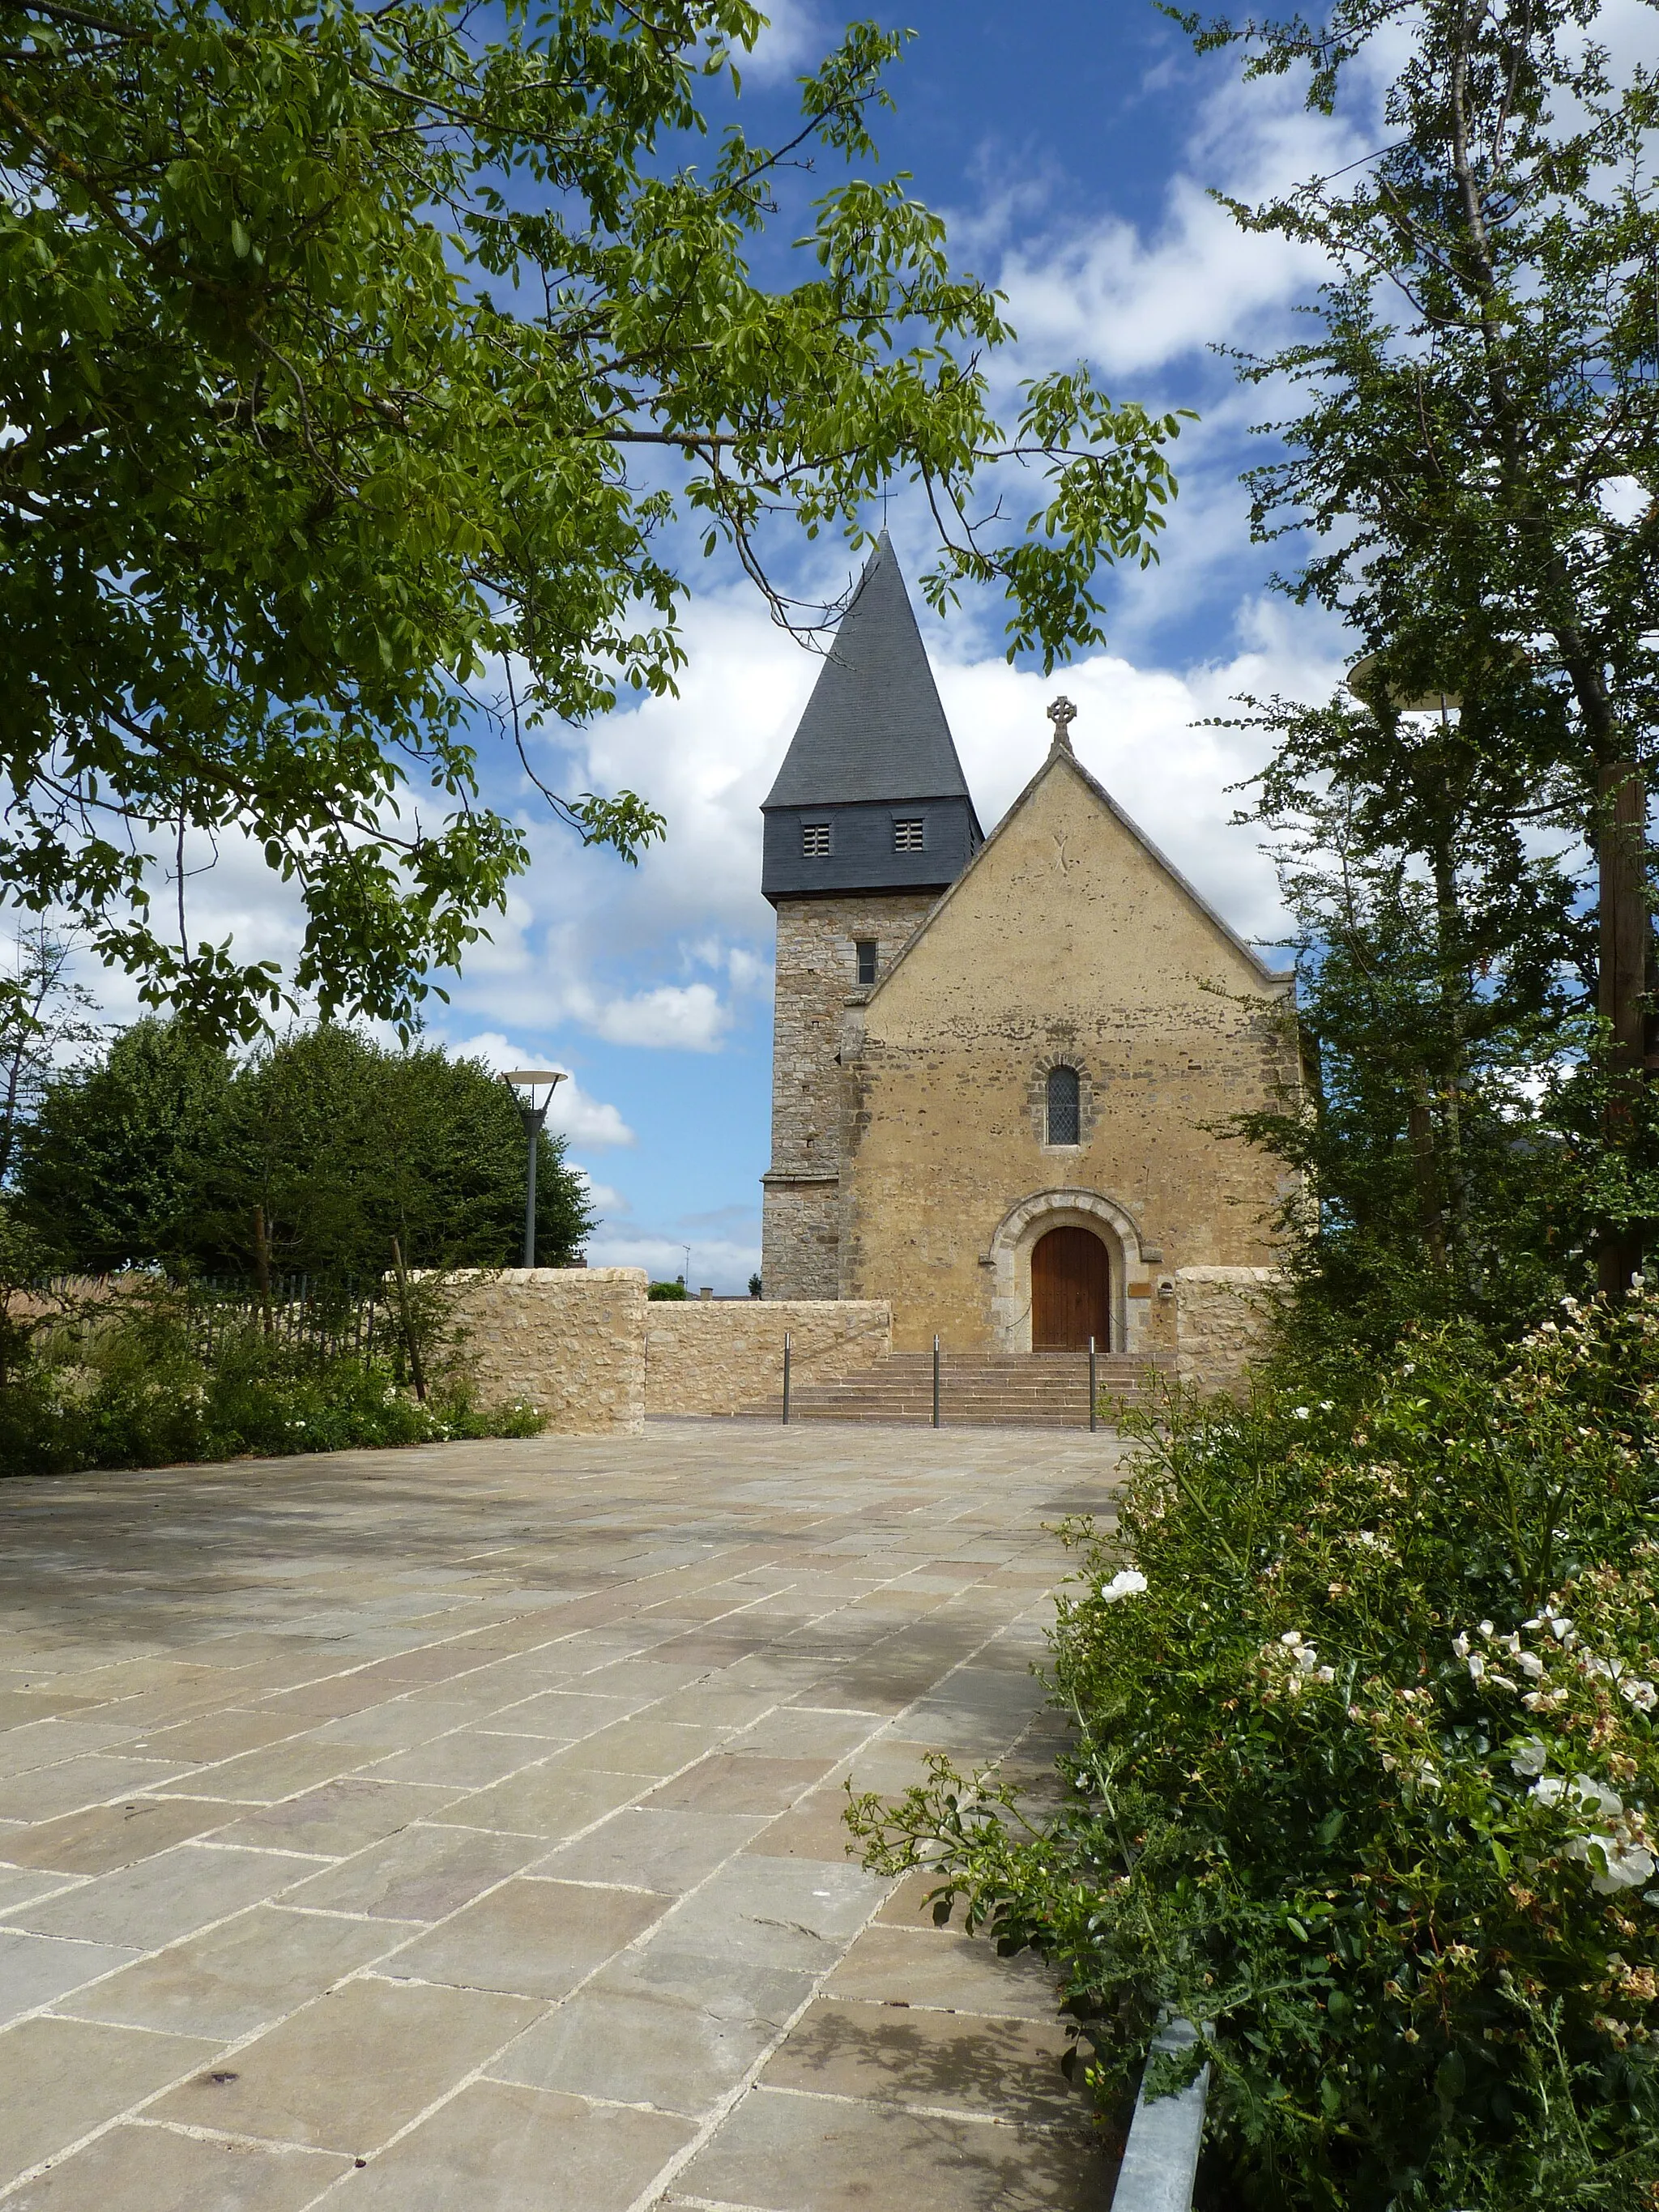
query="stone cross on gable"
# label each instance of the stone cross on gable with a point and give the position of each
(1062, 714)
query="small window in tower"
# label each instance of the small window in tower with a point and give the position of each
(1065, 1115)
(815, 840)
(907, 835)
(865, 948)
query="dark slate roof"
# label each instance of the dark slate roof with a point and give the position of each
(874, 729)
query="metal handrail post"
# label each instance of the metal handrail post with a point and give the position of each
(785, 1377)
(936, 1420)
(1094, 1391)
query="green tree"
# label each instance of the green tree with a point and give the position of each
(113, 1171)
(356, 361)
(44, 1014)
(165, 1153)
(1480, 452)
(1441, 973)
(344, 1145)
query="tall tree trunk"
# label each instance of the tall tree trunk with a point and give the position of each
(1451, 959)
(1626, 927)
(1430, 1214)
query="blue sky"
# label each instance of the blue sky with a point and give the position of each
(1070, 148)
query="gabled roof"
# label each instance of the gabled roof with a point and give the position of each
(874, 729)
(1061, 757)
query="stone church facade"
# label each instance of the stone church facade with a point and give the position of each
(1000, 1063)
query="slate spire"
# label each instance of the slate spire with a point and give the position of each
(873, 728)
(873, 751)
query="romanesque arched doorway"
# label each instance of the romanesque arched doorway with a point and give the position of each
(1071, 1291)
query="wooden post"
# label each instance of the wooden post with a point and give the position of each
(262, 1265)
(410, 1345)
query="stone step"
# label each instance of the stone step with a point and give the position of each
(977, 1390)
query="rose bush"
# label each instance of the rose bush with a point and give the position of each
(1364, 1777)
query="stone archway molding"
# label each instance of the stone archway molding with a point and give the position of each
(1010, 1256)
(1011, 1230)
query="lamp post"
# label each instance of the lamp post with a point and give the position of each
(532, 1090)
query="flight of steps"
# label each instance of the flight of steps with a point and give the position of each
(977, 1390)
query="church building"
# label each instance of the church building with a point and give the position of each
(1001, 1064)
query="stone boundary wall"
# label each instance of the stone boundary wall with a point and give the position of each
(714, 1356)
(570, 1339)
(1223, 1324)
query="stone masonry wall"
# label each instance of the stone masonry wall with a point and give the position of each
(571, 1340)
(1223, 1324)
(716, 1356)
(1066, 942)
(817, 980)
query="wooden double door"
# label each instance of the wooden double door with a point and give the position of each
(1071, 1292)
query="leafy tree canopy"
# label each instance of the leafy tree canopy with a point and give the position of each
(1442, 970)
(162, 1150)
(1474, 476)
(356, 363)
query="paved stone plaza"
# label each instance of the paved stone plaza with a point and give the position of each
(458, 1830)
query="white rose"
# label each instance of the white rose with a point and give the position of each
(1128, 1582)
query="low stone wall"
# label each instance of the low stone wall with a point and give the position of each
(570, 1339)
(1223, 1324)
(714, 1356)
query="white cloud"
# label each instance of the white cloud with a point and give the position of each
(793, 41)
(585, 1119)
(609, 1201)
(1134, 305)
(665, 957)
(574, 1113)
(724, 1264)
(689, 1018)
(1134, 299)
(1135, 732)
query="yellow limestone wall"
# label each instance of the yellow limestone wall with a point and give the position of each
(586, 1345)
(570, 1339)
(1224, 1325)
(714, 1357)
(1065, 940)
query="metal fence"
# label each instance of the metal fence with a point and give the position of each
(326, 1320)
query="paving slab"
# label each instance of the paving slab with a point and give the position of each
(35, 1969)
(422, 1874)
(464, 1827)
(65, 2078)
(139, 2168)
(531, 1937)
(500, 2148)
(105, 1837)
(241, 1976)
(350, 2071)
(160, 1899)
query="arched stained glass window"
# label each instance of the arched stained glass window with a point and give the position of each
(1065, 1112)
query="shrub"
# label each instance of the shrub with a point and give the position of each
(665, 1291)
(1364, 1777)
(132, 1389)
(162, 1151)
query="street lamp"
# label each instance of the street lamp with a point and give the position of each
(1369, 680)
(526, 1084)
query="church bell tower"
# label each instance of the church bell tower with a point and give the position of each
(869, 820)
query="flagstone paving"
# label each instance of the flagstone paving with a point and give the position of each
(459, 1830)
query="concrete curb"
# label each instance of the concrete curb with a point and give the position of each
(1160, 2159)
